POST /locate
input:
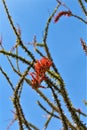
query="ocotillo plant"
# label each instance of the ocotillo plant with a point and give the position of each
(41, 75)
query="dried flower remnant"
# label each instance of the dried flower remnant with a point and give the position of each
(19, 30)
(41, 66)
(34, 42)
(84, 45)
(65, 13)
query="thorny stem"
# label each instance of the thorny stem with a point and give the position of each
(19, 42)
(47, 100)
(70, 108)
(46, 32)
(83, 7)
(55, 116)
(15, 56)
(17, 62)
(65, 125)
(76, 16)
(50, 113)
(17, 104)
(48, 121)
(8, 79)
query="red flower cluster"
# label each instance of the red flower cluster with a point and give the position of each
(41, 66)
(66, 13)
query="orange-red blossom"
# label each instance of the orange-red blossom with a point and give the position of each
(41, 66)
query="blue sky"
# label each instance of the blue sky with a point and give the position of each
(65, 47)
